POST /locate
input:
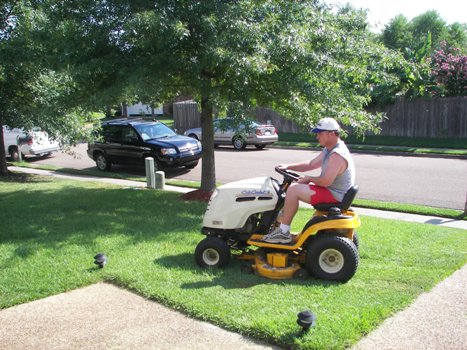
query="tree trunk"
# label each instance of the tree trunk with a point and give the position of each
(3, 167)
(125, 110)
(208, 171)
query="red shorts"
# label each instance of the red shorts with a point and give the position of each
(322, 195)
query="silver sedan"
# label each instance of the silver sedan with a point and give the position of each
(229, 131)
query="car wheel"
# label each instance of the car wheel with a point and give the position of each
(193, 136)
(332, 257)
(212, 252)
(260, 146)
(102, 162)
(14, 154)
(239, 143)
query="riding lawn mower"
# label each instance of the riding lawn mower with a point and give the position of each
(240, 213)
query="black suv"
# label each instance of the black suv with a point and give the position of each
(130, 141)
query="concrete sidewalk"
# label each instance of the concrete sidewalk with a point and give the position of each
(105, 316)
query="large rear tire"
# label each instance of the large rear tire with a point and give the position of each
(332, 258)
(212, 252)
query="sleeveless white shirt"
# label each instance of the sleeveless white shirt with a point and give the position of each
(344, 181)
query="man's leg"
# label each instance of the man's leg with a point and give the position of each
(295, 193)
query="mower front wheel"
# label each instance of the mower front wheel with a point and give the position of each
(332, 258)
(212, 252)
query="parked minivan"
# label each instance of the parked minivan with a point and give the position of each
(29, 143)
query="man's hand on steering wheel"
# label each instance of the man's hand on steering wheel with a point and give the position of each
(281, 169)
(304, 180)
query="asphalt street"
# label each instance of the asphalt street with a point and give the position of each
(434, 182)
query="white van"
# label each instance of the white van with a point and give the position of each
(31, 143)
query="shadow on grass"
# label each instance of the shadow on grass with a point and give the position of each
(231, 277)
(24, 178)
(39, 215)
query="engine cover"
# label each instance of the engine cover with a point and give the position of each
(233, 203)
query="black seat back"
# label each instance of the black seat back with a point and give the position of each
(344, 205)
(348, 198)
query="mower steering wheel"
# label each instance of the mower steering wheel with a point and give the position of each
(288, 175)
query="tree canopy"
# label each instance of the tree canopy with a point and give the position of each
(299, 58)
(32, 92)
(434, 60)
(400, 33)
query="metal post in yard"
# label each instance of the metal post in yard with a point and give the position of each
(150, 177)
(20, 157)
(160, 180)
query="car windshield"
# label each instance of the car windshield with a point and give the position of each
(154, 131)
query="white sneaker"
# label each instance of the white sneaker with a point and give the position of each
(277, 236)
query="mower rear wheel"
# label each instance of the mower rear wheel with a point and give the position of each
(356, 240)
(332, 258)
(212, 252)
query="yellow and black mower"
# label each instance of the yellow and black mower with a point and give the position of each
(240, 213)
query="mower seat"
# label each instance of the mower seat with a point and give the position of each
(344, 205)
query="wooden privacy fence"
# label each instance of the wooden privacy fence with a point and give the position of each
(186, 116)
(426, 117)
(434, 117)
(267, 115)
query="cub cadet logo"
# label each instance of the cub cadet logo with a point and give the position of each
(254, 193)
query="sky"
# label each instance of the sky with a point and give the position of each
(380, 12)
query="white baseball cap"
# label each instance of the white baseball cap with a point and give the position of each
(326, 124)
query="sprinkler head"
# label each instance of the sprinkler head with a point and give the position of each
(100, 259)
(306, 319)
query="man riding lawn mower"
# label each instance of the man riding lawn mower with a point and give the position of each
(243, 216)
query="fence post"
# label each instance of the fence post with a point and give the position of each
(150, 176)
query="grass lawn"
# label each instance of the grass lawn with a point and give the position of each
(51, 229)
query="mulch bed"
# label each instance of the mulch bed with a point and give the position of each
(197, 195)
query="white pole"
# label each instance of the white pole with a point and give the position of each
(160, 180)
(150, 177)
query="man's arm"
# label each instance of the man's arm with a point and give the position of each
(315, 163)
(336, 166)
